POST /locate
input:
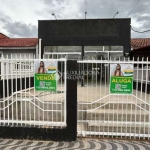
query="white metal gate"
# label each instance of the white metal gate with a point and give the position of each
(20, 104)
(101, 113)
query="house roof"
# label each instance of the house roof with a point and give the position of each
(138, 43)
(5, 41)
(2, 36)
(17, 42)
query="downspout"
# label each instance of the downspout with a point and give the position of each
(36, 53)
(40, 40)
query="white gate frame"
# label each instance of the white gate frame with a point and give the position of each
(10, 103)
(82, 110)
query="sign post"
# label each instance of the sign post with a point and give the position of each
(121, 78)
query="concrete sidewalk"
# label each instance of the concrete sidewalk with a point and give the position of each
(81, 143)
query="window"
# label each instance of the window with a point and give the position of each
(23, 65)
(57, 52)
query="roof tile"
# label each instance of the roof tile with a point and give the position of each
(18, 42)
(138, 43)
(2, 36)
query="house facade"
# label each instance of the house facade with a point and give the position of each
(141, 52)
(85, 38)
(16, 48)
(141, 48)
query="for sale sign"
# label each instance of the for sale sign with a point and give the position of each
(121, 78)
(45, 78)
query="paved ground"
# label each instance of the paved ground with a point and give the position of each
(80, 144)
(89, 93)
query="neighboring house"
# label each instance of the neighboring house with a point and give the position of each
(141, 51)
(17, 48)
(141, 48)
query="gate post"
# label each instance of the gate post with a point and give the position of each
(71, 100)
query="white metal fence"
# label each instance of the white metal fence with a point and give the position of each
(17, 66)
(101, 113)
(21, 104)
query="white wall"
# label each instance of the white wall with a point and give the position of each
(17, 65)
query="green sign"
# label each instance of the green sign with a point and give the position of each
(45, 82)
(45, 77)
(121, 78)
(121, 85)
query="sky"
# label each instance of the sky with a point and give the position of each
(19, 18)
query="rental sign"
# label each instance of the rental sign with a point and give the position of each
(121, 78)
